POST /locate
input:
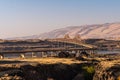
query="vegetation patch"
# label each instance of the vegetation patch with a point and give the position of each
(88, 72)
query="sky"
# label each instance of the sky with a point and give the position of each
(31, 17)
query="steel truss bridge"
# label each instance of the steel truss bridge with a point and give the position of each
(47, 46)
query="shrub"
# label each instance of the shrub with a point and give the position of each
(88, 72)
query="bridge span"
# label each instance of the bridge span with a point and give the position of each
(46, 46)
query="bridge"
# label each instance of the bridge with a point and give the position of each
(47, 47)
(73, 41)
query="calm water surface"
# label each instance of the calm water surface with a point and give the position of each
(29, 55)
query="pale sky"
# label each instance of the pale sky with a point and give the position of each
(30, 17)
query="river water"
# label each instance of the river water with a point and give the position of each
(29, 54)
(108, 52)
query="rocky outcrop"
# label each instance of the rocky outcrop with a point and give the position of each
(104, 67)
(47, 72)
(107, 70)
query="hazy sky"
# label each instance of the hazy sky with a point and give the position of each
(30, 17)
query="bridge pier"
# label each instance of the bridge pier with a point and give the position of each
(38, 54)
(57, 53)
(53, 53)
(22, 55)
(77, 53)
(93, 52)
(33, 54)
(43, 54)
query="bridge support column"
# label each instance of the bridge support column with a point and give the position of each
(78, 51)
(93, 52)
(1, 56)
(57, 53)
(43, 54)
(53, 54)
(77, 54)
(33, 54)
(22, 56)
(39, 54)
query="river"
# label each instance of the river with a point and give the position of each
(29, 55)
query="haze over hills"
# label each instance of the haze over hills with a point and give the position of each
(106, 31)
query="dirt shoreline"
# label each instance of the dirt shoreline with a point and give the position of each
(60, 68)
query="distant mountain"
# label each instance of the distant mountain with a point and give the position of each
(106, 31)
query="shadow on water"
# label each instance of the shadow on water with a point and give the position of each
(10, 62)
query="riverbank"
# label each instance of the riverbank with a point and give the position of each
(98, 68)
(43, 69)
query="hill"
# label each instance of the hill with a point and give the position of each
(106, 31)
